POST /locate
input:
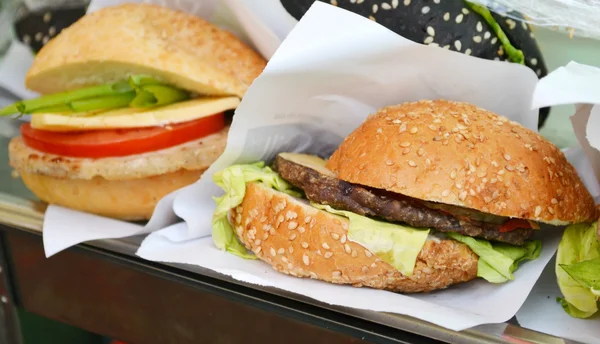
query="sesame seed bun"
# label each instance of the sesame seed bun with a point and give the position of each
(300, 240)
(126, 188)
(458, 154)
(175, 47)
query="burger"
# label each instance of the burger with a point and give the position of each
(578, 269)
(421, 196)
(132, 107)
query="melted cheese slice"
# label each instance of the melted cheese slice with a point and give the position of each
(135, 118)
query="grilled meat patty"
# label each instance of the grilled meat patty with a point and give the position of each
(326, 189)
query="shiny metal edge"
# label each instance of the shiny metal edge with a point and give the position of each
(28, 215)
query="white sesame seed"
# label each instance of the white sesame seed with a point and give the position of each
(395, 3)
(304, 244)
(258, 249)
(446, 16)
(257, 242)
(453, 174)
(428, 40)
(534, 61)
(328, 255)
(551, 210)
(459, 18)
(487, 35)
(430, 31)
(494, 40)
(472, 192)
(479, 26)
(343, 239)
(425, 9)
(292, 225)
(373, 265)
(386, 6)
(375, 8)
(507, 157)
(465, 11)
(291, 249)
(301, 230)
(335, 236)
(365, 269)
(354, 254)
(445, 193)
(325, 246)
(305, 259)
(457, 45)
(336, 273)
(538, 211)
(414, 130)
(368, 253)
(468, 52)
(477, 39)
(273, 252)
(412, 163)
(420, 152)
(281, 251)
(347, 248)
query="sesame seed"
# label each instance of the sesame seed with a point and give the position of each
(304, 244)
(465, 11)
(479, 27)
(406, 151)
(430, 31)
(375, 8)
(291, 249)
(477, 39)
(335, 236)
(428, 40)
(501, 172)
(507, 157)
(386, 6)
(365, 269)
(487, 35)
(457, 45)
(487, 199)
(301, 230)
(280, 218)
(292, 225)
(551, 210)
(495, 194)
(379, 130)
(445, 193)
(468, 52)
(420, 152)
(347, 248)
(389, 162)
(414, 130)
(509, 168)
(427, 161)
(446, 16)
(458, 186)
(395, 3)
(343, 239)
(333, 2)
(472, 192)
(459, 18)
(47, 17)
(257, 242)
(425, 9)
(293, 236)
(281, 251)
(258, 249)
(412, 163)
(538, 211)
(494, 40)
(405, 144)
(354, 254)
(266, 236)
(328, 255)
(336, 273)
(368, 253)
(305, 259)
(463, 195)
(396, 121)
(402, 128)
(273, 252)
(534, 61)
(511, 24)
(373, 265)
(325, 246)
(554, 201)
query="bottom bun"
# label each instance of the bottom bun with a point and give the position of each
(132, 199)
(300, 240)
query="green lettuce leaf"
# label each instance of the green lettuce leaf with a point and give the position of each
(578, 270)
(498, 261)
(395, 244)
(233, 181)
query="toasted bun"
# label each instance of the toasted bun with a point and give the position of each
(176, 47)
(302, 241)
(456, 153)
(126, 188)
(133, 199)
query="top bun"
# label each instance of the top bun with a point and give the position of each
(175, 47)
(458, 154)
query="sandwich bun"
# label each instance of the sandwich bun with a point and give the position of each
(300, 240)
(126, 188)
(175, 47)
(459, 154)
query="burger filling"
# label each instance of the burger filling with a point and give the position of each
(393, 227)
(133, 116)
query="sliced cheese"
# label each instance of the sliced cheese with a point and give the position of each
(135, 118)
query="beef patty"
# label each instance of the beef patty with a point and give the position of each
(328, 190)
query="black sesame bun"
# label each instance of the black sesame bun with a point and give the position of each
(452, 24)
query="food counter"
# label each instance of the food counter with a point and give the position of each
(104, 288)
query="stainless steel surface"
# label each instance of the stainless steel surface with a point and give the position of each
(22, 212)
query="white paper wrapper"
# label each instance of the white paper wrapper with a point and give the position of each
(64, 228)
(318, 87)
(572, 84)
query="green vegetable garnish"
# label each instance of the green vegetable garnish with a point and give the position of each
(578, 270)
(514, 54)
(137, 91)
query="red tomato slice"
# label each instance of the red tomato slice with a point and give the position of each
(120, 142)
(513, 224)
